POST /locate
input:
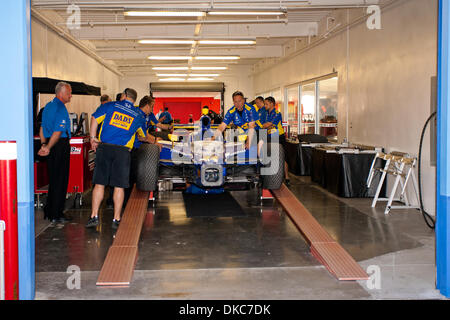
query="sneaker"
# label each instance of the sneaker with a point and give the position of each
(93, 222)
(115, 224)
(64, 219)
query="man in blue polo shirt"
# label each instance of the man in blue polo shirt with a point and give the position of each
(243, 115)
(121, 121)
(55, 135)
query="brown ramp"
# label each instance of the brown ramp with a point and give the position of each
(323, 247)
(121, 259)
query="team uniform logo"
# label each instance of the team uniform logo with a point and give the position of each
(121, 121)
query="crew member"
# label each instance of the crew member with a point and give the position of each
(121, 121)
(211, 114)
(146, 111)
(55, 135)
(165, 117)
(274, 126)
(243, 116)
(259, 106)
(105, 99)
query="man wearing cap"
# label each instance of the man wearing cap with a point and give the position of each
(121, 121)
(55, 139)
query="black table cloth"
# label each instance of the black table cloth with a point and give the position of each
(345, 174)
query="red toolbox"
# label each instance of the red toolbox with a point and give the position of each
(82, 162)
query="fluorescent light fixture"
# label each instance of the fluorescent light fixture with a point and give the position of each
(170, 58)
(246, 13)
(172, 79)
(209, 68)
(157, 41)
(228, 42)
(217, 58)
(200, 79)
(164, 13)
(170, 68)
(171, 75)
(205, 75)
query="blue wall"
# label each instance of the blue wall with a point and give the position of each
(443, 166)
(17, 124)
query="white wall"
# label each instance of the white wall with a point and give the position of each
(54, 57)
(389, 73)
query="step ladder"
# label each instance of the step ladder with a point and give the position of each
(401, 166)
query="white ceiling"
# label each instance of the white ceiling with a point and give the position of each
(114, 37)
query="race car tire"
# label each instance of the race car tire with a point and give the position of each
(274, 180)
(147, 167)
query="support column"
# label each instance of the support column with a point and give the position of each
(17, 125)
(443, 153)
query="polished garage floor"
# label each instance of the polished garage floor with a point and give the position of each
(257, 253)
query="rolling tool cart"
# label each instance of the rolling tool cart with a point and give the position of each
(82, 162)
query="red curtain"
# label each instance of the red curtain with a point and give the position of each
(182, 110)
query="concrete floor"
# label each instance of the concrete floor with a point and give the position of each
(259, 255)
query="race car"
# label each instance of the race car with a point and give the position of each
(205, 164)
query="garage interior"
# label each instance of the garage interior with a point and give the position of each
(356, 72)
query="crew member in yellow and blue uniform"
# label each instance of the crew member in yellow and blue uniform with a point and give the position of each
(273, 123)
(244, 116)
(259, 106)
(121, 121)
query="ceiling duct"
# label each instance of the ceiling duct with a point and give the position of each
(187, 87)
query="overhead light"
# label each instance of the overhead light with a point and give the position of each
(209, 68)
(171, 75)
(164, 13)
(217, 58)
(172, 79)
(170, 68)
(246, 13)
(227, 42)
(170, 58)
(156, 41)
(200, 79)
(205, 75)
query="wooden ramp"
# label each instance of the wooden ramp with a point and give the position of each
(323, 247)
(121, 259)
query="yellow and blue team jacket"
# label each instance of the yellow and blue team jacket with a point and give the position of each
(249, 114)
(150, 125)
(275, 118)
(121, 121)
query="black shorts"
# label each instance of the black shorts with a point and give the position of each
(112, 166)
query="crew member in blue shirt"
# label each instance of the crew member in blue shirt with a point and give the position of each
(259, 106)
(273, 123)
(55, 139)
(165, 117)
(243, 115)
(146, 111)
(121, 121)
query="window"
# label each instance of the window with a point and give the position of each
(292, 109)
(308, 109)
(328, 101)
